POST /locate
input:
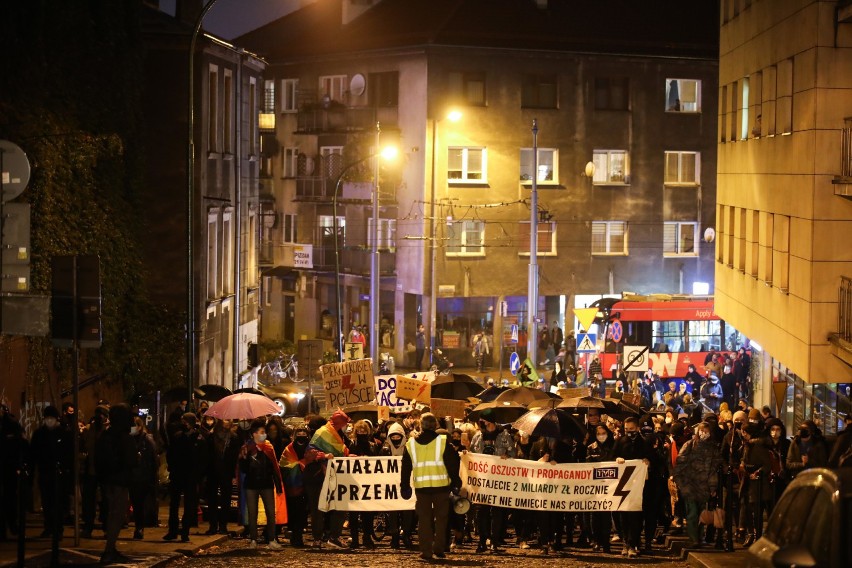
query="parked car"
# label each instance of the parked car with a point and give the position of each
(286, 396)
(811, 525)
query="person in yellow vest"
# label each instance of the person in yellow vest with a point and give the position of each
(432, 464)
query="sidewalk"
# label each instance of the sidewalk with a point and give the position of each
(150, 552)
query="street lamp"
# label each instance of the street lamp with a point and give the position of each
(532, 298)
(452, 116)
(388, 153)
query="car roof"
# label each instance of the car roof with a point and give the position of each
(840, 479)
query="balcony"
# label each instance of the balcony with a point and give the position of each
(321, 188)
(354, 260)
(841, 341)
(316, 118)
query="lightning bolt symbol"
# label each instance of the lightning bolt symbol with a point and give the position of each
(347, 382)
(422, 388)
(628, 472)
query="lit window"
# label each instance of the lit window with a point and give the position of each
(546, 238)
(683, 95)
(611, 167)
(680, 239)
(291, 161)
(466, 165)
(548, 163)
(466, 238)
(333, 86)
(683, 168)
(609, 237)
(386, 234)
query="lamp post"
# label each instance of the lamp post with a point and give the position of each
(387, 153)
(452, 116)
(532, 298)
(190, 202)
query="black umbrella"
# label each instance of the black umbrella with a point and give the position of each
(213, 393)
(622, 409)
(501, 412)
(545, 403)
(455, 387)
(251, 390)
(550, 423)
(584, 403)
(523, 395)
(491, 393)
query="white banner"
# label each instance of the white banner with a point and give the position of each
(386, 392)
(364, 484)
(574, 487)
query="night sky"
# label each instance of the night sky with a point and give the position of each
(231, 18)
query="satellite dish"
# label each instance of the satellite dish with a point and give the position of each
(709, 234)
(357, 84)
(16, 170)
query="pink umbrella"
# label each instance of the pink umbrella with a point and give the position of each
(243, 406)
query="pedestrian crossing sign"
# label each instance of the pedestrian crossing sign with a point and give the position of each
(586, 343)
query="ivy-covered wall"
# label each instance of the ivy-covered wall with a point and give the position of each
(70, 97)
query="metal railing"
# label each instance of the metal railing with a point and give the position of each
(846, 152)
(844, 309)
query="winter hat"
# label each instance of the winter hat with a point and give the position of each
(739, 416)
(51, 412)
(754, 416)
(752, 430)
(339, 419)
(396, 428)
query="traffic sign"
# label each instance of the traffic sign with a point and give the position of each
(586, 317)
(514, 333)
(514, 364)
(616, 330)
(635, 358)
(586, 343)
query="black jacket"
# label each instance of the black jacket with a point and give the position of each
(187, 456)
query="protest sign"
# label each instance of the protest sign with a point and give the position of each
(447, 407)
(348, 383)
(572, 488)
(386, 395)
(411, 388)
(383, 414)
(364, 484)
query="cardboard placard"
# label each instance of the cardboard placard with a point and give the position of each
(576, 392)
(384, 414)
(348, 384)
(413, 389)
(632, 398)
(447, 407)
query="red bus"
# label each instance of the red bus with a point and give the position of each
(678, 330)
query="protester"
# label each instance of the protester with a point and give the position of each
(631, 446)
(257, 461)
(711, 392)
(187, 461)
(496, 441)
(756, 468)
(329, 442)
(695, 474)
(88, 477)
(223, 448)
(400, 523)
(808, 449)
(53, 454)
(601, 449)
(143, 475)
(434, 465)
(294, 459)
(116, 459)
(14, 454)
(362, 522)
(840, 452)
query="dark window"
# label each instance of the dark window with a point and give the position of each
(383, 89)
(467, 88)
(612, 93)
(539, 91)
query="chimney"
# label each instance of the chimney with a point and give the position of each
(187, 11)
(354, 8)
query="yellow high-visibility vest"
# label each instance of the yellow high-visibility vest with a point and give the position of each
(427, 462)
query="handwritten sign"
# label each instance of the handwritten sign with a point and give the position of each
(448, 407)
(349, 383)
(384, 414)
(413, 389)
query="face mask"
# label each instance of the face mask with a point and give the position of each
(134, 430)
(455, 442)
(395, 440)
(362, 438)
(804, 433)
(703, 436)
(260, 438)
(632, 435)
(50, 422)
(601, 438)
(668, 419)
(738, 425)
(301, 440)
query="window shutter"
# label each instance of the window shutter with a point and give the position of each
(671, 174)
(688, 167)
(617, 237)
(599, 237)
(670, 238)
(601, 166)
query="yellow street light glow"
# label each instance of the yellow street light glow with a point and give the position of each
(454, 115)
(390, 152)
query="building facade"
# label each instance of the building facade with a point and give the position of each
(625, 169)
(226, 213)
(784, 214)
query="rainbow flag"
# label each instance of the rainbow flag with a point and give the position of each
(291, 471)
(327, 440)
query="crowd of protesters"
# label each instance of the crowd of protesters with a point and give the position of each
(697, 459)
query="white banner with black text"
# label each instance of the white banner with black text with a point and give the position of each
(363, 484)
